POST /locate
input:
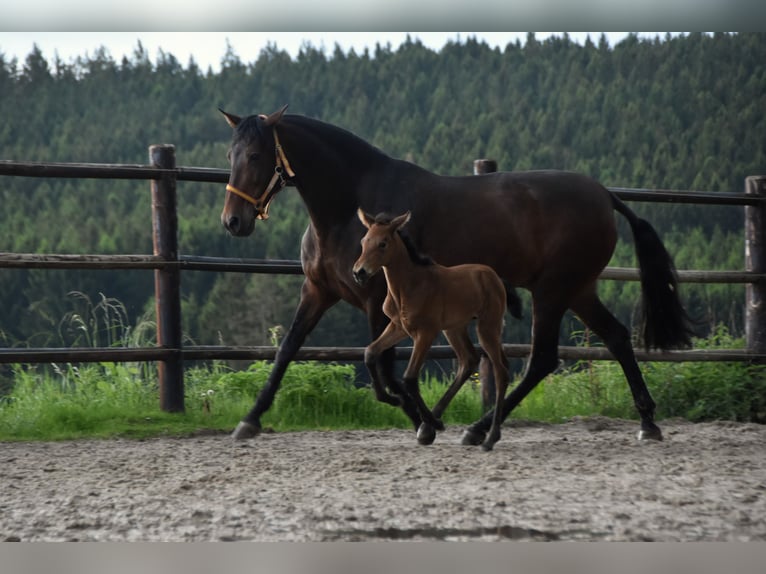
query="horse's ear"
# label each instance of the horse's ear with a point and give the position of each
(273, 119)
(401, 220)
(366, 219)
(231, 119)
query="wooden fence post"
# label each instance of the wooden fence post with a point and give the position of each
(486, 375)
(481, 166)
(755, 261)
(167, 281)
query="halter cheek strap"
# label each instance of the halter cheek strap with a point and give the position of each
(277, 182)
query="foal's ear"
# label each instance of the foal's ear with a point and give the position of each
(366, 219)
(273, 118)
(231, 119)
(401, 220)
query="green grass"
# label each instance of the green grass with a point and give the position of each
(109, 400)
(695, 391)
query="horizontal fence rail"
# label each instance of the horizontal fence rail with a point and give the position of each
(111, 171)
(343, 354)
(290, 266)
(185, 262)
(164, 174)
(212, 175)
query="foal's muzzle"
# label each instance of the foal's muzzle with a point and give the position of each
(360, 276)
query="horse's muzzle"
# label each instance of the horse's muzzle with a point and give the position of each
(236, 226)
(231, 224)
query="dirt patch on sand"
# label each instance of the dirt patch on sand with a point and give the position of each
(584, 480)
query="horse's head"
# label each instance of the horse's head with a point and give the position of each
(379, 244)
(258, 170)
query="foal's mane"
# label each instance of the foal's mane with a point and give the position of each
(412, 250)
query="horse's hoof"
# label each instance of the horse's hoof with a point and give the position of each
(652, 432)
(245, 431)
(426, 434)
(472, 437)
(490, 441)
(438, 424)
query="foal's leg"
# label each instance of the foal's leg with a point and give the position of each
(491, 342)
(546, 321)
(617, 339)
(391, 335)
(422, 343)
(468, 359)
(386, 367)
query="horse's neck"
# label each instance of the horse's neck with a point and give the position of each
(329, 164)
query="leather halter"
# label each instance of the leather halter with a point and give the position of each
(276, 184)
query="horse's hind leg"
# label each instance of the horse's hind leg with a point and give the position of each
(468, 359)
(617, 339)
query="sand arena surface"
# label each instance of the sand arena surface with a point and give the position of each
(583, 480)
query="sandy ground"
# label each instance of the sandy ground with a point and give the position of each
(584, 480)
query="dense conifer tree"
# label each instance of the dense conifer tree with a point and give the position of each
(683, 112)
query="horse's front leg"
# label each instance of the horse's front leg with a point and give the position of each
(313, 304)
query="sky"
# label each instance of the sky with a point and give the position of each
(208, 48)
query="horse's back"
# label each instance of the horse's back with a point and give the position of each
(551, 191)
(522, 224)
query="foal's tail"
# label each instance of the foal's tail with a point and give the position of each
(664, 322)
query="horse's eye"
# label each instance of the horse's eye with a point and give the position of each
(382, 245)
(254, 156)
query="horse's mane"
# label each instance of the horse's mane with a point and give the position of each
(412, 250)
(248, 128)
(345, 141)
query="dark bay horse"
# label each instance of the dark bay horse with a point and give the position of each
(550, 232)
(425, 298)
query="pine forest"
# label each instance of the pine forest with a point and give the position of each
(683, 112)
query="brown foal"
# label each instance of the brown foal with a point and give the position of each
(425, 298)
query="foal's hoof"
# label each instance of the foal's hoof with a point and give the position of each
(472, 437)
(426, 434)
(650, 434)
(245, 431)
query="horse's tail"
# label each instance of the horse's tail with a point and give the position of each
(512, 299)
(664, 322)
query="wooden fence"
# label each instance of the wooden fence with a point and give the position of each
(167, 264)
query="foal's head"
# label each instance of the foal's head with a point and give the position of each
(379, 245)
